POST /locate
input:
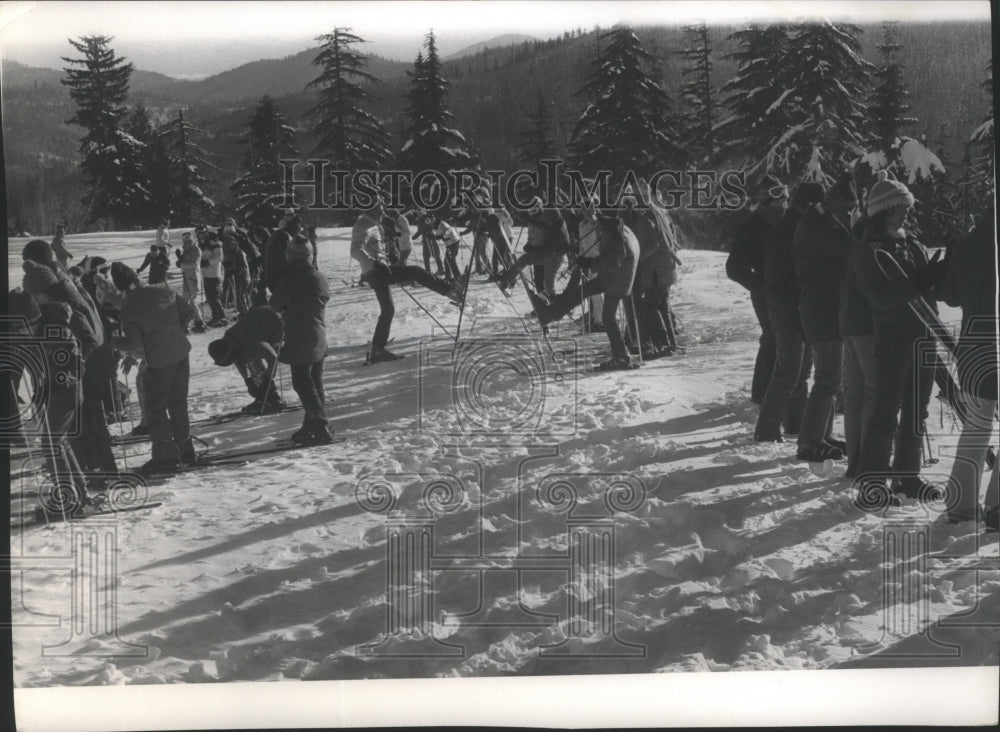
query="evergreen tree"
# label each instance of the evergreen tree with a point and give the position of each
(538, 139)
(259, 190)
(976, 186)
(697, 95)
(136, 172)
(347, 135)
(431, 143)
(888, 103)
(99, 84)
(753, 95)
(186, 161)
(628, 124)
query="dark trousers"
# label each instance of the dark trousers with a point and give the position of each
(61, 421)
(93, 444)
(502, 256)
(785, 398)
(430, 247)
(902, 390)
(764, 364)
(451, 262)
(381, 278)
(307, 380)
(165, 391)
(817, 420)
(482, 262)
(212, 295)
(859, 393)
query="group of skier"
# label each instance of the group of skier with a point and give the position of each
(841, 289)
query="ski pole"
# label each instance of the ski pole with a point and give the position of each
(635, 323)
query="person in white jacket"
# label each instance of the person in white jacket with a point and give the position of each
(189, 261)
(446, 232)
(211, 277)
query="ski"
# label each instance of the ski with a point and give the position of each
(892, 270)
(237, 457)
(41, 517)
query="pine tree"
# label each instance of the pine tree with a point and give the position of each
(149, 192)
(752, 97)
(538, 139)
(431, 143)
(99, 84)
(347, 135)
(259, 190)
(888, 103)
(628, 124)
(186, 161)
(697, 95)
(977, 187)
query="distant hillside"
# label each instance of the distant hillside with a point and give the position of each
(508, 39)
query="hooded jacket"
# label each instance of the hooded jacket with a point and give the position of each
(154, 320)
(301, 295)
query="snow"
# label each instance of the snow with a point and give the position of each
(918, 161)
(728, 554)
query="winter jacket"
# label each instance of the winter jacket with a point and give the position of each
(257, 334)
(79, 299)
(970, 283)
(211, 262)
(154, 320)
(63, 375)
(59, 250)
(162, 236)
(366, 242)
(301, 296)
(888, 294)
(189, 260)
(425, 225)
(855, 316)
(780, 279)
(549, 231)
(274, 257)
(446, 233)
(64, 292)
(745, 264)
(158, 264)
(235, 259)
(644, 227)
(821, 246)
(617, 262)
(404, 237)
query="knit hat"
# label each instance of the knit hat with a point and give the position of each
(298, 248)
(807, 194)
(887, 193)
(37, 250)
(22, 303)
(37, 277)
(123, 276)
(221, 352)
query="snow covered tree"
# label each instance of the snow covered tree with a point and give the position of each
(752, 97)
(187, 159)
(803, 113)
(888, 102)
(431, 143)
(697, 97)
(976, 186)
(259, 190)
(145, 173)
(348, 136)
(628, 124)
(538, 138)
(99, 84)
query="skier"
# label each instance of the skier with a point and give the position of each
(239, 266)
(61, 396)
(252, 345)
(426, 224)
(821, 246)
(154, 320)
(548, 242)
(163, 235)
(445, 232)
(745, 266)
(301, 296)
(158, 264)
(785, 398)
(289, 226)
(616, 267)
(970, 283)
(188, 260)
(367, 247)
(903, 383)
(211, 277)
(59, 247)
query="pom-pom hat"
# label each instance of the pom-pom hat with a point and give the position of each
(887, 194)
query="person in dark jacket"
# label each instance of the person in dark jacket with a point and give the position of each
(154, 322)
(785, 398)
(548, 242)
(426, 224)
(158, 263)
(301, 296)
(855, 320)
(289, 227)
(821, 245)
(970, 283)
(903, 383)
(252, 345)
(745, 266)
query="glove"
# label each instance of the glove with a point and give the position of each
(584, 263)
(127, 363)
(932, 275)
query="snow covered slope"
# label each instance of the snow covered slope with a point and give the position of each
(548, 498)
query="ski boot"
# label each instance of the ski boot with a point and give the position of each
(819, 452)
(253, 408)
(217, 323)
(917, 489)
(139, 430)
(273, 405)
(377, 355)
(312, 435)
(199, 327)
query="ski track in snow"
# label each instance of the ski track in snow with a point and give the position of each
(737, 556)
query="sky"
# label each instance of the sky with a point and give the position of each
(36, 32)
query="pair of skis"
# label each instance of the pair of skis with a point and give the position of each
(893, 271)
